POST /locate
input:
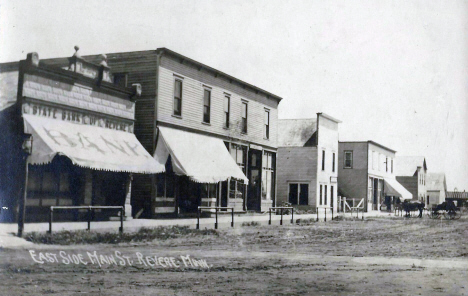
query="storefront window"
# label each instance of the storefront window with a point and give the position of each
(208, 191)
(165, 185)
(268, 175)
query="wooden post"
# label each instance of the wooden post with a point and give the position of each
(325, 219)
(232, 221)
(22, 201)
(317, 214)
(198, 218)
(292, 215)
(216, 221)
(89, 218)
(269, 221)
(281, 221)
(121, 219)
(51, 218)
(344, 205)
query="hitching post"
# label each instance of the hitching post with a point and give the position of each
(281, 221)
(198, 218)
(332, 213)
(51, 218)
(232, 213)
(216, 222)
(325, 219)
(122, 211)
(89, 218)
(269, 221)
(317, 213)
(292, 215)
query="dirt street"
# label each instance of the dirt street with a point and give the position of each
(374, 257)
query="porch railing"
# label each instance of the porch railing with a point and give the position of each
(89, 216)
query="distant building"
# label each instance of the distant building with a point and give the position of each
(367, 171)
(411, 172)
(460, 198)
(436, 187)
(308, 162)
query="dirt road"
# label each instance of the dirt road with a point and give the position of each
(374, 257)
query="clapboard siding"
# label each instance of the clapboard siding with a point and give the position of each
(192, 109)
(297, 165)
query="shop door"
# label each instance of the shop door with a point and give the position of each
(255, 177)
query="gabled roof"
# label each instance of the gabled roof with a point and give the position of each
(436, 181)
(297, 132)
(408, 165)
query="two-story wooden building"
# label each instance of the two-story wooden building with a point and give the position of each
(366, 172)
(67, 140)
(216, 134)
(307, 162)
(411, 173)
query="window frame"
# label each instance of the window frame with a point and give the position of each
(227, 114)
(206, 107)
(323, 159)
(266, 125)
(351, 159)
(333, 161)
(244, 125)
(176, 80)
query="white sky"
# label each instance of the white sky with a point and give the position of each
(395, 72)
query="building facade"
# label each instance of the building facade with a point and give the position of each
(68, 141)
(184, 99)
(412, 174)
(366, 175)
(436, 187)
(307, 162)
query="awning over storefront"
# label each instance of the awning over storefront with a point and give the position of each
(202, 158)
(88, 146)
(393, 188)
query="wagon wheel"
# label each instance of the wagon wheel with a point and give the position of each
(434, 215)
(452, 215)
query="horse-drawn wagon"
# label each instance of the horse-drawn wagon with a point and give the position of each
(446, 210)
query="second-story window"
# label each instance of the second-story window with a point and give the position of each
(244, 117)
(178, 97)
(333, 163)
(227, 110)
(266, 120)
(323, 160)
(348, 159)
(206, 105)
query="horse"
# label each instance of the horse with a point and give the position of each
(411, 206)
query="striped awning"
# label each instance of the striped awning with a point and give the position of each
(88, 146)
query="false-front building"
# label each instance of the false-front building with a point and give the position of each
(67, 140)
(366, 173)
(411, 173)
(215, 134)
(307, 162)
(436, 187)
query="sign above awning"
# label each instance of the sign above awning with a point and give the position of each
(393, 188)
(88, 146)
(202, 158)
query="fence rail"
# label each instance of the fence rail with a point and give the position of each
(216, 215)
(89, 218)
(281, 210)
